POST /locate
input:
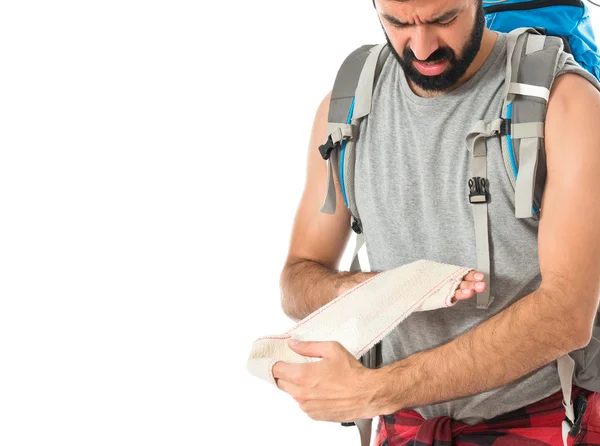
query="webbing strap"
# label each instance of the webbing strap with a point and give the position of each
(529, 90)
(366, 82)
(535, 42)
(358, 244)
(342, 131)
(528, 161)
(514, 44)
(527, 130)
(329, 204)
(477, 146)
(364, 430)
(566, 366)
(529, 133)
(360, 258)
(481, 232)
(360, 262)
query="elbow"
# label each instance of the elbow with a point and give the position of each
(589, 317)
(287, 302)
(289, 309)
(576, 312)
(584, 322)
(577, 336)
(584, 331)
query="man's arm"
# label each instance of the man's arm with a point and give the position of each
(310, 277)
(555, 319)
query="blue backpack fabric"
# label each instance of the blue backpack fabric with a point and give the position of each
(569, 19)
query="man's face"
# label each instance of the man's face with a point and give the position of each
(438, 39)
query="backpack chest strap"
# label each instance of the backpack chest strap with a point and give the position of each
(479, 197)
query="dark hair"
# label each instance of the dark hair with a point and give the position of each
(479, 2)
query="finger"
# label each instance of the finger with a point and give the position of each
(466, 285)
(462, 294)
(281, 370)
(480, 286)
(294, 373)
(473, 276)
(469, 284)
(467, 288)
(312, 349)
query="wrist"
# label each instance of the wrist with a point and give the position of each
(387, 392)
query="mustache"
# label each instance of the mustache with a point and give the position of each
(439, 55)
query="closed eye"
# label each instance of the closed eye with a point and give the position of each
(447, 23)
(442, 20)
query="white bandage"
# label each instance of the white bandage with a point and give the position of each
(364, 315)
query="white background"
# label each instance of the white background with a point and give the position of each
(152, 155)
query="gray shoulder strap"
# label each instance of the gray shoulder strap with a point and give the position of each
(350, 98)
(342, 96)
(531, 67)
(345, 84)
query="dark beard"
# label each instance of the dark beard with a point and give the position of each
(456, 67)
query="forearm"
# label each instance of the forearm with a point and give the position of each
(307, 285)
(526, 336)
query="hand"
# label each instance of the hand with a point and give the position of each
(471, 284)
(336, 388)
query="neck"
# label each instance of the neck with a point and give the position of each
(488, 41)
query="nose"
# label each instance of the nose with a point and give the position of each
(423, 42)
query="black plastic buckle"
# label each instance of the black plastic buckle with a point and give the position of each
(326, 148)
(357, 226)
(477, 190)
(348, 423)
(579, 408)
(505, 127)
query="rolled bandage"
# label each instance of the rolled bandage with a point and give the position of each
(361, 317)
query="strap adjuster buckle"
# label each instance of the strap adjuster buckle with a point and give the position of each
(505, 127)
(325, 149)
(342, 133)
(477, 190)
(580, 407)
(356, 226)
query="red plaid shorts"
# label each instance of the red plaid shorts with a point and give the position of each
(539, 424)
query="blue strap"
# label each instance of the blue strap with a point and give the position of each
(511, 151)
(343, 152)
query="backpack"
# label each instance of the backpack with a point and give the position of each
(538, 32)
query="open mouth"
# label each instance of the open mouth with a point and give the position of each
(431, 68)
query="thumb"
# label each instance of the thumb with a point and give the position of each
(311, 349)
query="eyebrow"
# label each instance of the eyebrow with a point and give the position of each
(441, 18)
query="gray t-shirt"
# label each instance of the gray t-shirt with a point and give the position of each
(412, 169)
